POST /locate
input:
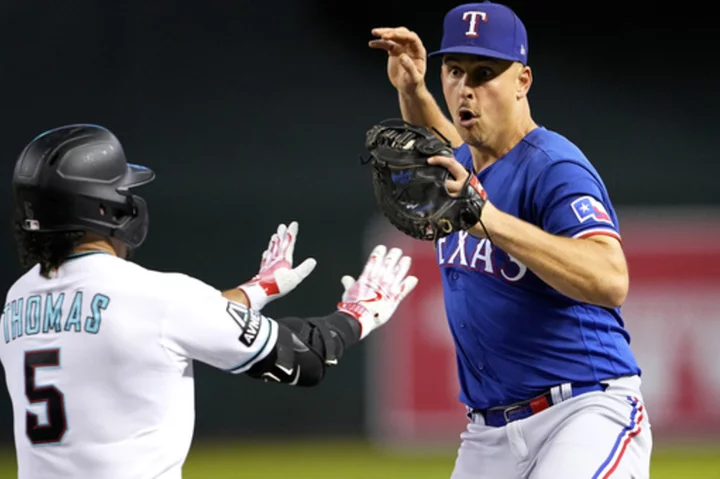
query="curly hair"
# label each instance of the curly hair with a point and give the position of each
(47, 249)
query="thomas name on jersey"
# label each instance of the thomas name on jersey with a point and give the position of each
(44, 314)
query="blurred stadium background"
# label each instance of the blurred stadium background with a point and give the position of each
(253, 113)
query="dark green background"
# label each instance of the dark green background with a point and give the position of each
(254, 113)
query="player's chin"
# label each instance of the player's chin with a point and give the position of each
(469, 134)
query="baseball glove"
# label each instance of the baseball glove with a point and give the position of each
(411, 193)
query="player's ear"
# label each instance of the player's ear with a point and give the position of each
(524, 80)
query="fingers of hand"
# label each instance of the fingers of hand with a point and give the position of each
(378, 268)
(282, 239)
(412, 42)
(291, 234)
(275, 242)
(271, 242)
(387, 269)
(383, 31)
(407, 285)
(444, 161)
(304, 269)
(347, 282)
(410, 68)
(399, 274)
(281, 230)
(402, 36)
(271, 251)
(387, 45)
(292, 230)
(456, 169)
(376, 257)
(454, 187)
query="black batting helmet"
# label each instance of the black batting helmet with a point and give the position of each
(76, 178)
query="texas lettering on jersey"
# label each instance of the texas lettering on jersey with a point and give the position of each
(52, 313)
(479, 255)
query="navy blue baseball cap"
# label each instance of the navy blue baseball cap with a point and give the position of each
(486, 29)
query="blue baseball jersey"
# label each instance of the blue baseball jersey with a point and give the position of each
(515, 336)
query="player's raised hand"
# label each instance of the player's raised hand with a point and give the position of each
(375, 295)
(277, 277)
(407, 57)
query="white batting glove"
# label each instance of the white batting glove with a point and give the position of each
(375, 295)
(277, 277)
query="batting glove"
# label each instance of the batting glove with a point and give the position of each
(375, 295)
(277, 277)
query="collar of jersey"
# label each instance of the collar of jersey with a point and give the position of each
(83, 254)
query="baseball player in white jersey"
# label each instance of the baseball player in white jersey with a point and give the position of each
(98, 351)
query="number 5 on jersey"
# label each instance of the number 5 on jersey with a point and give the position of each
(54, 430)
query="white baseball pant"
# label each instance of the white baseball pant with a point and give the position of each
(596, 435)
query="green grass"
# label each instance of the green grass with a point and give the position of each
(352, 460)
(685, 463)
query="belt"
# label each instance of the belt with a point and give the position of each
(502, 415)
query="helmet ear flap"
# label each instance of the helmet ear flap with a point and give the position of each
(135, 228)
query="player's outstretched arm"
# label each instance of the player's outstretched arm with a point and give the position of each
(305, 347)
(407, 64)
(203, 324)
(276, 276)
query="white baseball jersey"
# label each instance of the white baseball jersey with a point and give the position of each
(98, 363)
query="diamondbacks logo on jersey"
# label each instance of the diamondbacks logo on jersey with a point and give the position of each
(249, 321)
(587, 207)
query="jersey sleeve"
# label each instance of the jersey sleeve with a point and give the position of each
(201, 324)
(571, 201)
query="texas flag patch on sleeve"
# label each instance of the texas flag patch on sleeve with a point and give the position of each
(588, 208)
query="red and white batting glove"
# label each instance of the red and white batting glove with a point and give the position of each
(375, 295)
(277, 277)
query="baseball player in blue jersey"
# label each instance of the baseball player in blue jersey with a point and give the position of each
(533, 291)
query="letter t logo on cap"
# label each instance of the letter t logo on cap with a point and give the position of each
(473, 18)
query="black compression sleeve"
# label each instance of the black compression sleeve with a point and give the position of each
(305, 346)
(330, 335)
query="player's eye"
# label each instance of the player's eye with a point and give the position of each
(484, 73)
(454, 71)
